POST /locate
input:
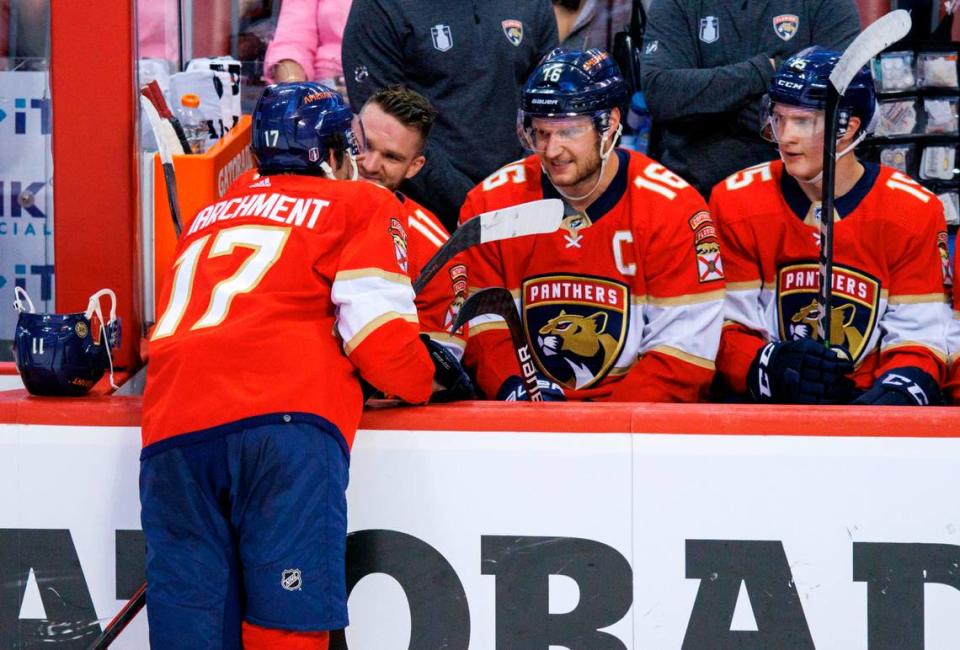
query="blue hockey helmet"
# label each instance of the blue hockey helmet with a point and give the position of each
(64, 354)
(569, 83)
(802, 82)
(295, 125)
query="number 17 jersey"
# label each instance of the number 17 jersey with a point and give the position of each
(280, 292)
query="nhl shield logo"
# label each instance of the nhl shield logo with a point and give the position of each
(577, 326)
(442, 38)
(513, 30)
(291, 580)
(785, 25)
(855, 304)
(709, 29)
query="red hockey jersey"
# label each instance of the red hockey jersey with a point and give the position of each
(439, 301)
(622, 303)
(888, 292)
(953, 336)
(280, 291)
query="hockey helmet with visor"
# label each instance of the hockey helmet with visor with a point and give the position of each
(575, 89)
(797, 97)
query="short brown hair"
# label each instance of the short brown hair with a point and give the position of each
(408, 106)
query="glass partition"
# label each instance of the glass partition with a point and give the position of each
(26, 161)
(177, 31)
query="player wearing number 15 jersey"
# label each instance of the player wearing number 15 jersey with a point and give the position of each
(888, 319)
(624, 301)
(281, 292)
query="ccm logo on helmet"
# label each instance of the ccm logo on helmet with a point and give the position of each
(790, 84)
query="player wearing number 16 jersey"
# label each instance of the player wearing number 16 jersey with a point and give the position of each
(624, 301)
(281, 292)
(888, 319)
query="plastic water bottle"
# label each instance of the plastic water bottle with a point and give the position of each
(639, 122)
(192, 122)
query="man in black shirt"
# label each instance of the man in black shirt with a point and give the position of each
(469, 58)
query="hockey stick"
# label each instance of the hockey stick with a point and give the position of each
(499, 301)
(122, 619)
(877, 37)
(167, 144)
(535, 217)
(152, 92)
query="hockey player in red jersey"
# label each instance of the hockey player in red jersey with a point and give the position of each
(887, 313)
(282, 291)
(397, 122)
(953, 336)
(624, 301)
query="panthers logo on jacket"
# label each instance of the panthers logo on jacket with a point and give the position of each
(577, 324)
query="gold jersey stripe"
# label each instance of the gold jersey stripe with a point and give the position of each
(373, 272)
(483, 327)
(685, 356)
(688, 299)
(446, 337)
(939, 354)
(921, 298)
(369, 328)
(744, 286)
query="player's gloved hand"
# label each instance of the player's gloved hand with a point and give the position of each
(515, 390)
(799, 372)
(906, 386)
(454, 382)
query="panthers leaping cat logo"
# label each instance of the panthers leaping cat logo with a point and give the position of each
(581, 342)
(806, 322)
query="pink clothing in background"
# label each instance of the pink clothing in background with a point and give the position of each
(310, 32)
(157, 29)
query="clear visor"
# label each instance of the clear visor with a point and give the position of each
(779, 122)
(537, 133)
(356, 137)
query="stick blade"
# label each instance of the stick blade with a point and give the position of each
(495, 300)
(533, 218)
(167, 142)
(878, 36)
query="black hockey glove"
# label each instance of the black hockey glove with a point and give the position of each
(515, 390)
(455, 384)
(799, 372)
(906, 386)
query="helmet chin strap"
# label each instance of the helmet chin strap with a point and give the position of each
(93, 307)
(840, 154)
(604, 157)
(354, 168)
